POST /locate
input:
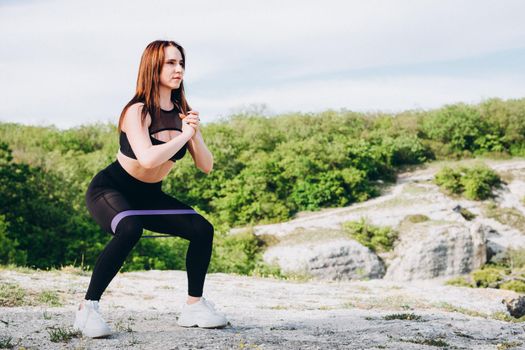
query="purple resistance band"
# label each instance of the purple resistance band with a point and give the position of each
(125, 213)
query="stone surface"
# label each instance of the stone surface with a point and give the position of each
(142, 308)
(342, 259)
(515, 306)
(433, 249)
(415, 194)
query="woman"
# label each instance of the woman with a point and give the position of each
(156, 127)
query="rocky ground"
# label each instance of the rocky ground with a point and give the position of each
(399, 312)
(142, 309)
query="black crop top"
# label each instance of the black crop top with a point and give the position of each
(168, 120)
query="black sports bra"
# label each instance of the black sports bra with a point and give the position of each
(168, 120)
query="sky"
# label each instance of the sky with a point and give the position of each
(68, 63)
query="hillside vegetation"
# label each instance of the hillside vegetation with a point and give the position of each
(266, 169)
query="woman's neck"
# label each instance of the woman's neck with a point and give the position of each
(165, 98)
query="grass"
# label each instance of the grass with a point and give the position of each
(400, 201)
(76, 270)
(302, 235)
(416, 189)
(62, 334)
(403, 303)
(467, 214)
(507, 273)
(499, 315)
(402, 316)
(326, 308)
(120, 327)
(508, 345)
(299, 277)
(5, 343)
(376, 238)
(20, 269)
(460, 281)
(49, 297)
(416, 218)
(13, 295)
(396, 302)
(247, 345)
(362, 289)
(430, 342)
(279, 307)
(451, 308)
(507, 216)
(503, 316)
(269, 240)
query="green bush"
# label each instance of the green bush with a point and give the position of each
(266, 169)
(378, 239)
(9, 254)
(406, 149)
(449, 180)
(476, 182)
(517, 286)
(37, 214)
(157, 254)
(479, 181)
(507, 271)
(459, 281)
(488, 276)
(241, 253)
(462, 128)
(507, 120)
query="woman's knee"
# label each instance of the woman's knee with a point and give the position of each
(130, 228)
(204, 230)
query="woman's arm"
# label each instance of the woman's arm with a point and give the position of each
(148, 155)
(202, 156)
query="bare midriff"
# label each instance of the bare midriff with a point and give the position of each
(133, 167)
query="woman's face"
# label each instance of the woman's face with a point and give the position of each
(172, 70)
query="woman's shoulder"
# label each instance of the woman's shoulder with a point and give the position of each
(137, 106)
(135, 109)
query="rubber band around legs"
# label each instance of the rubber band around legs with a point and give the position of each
(125, 213)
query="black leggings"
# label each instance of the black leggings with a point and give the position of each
(123, 206)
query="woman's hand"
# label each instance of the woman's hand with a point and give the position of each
(186, 127)
(192, 119)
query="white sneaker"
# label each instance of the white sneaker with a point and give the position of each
(201, 314)
(211, 305)
(89, 321)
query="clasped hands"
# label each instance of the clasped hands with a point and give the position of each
(192, 119)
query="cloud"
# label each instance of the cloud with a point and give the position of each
(73, 62)
(391, 94)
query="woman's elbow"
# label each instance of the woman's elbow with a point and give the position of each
(146, 162)
(206, 170)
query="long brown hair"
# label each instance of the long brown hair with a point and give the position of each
(148, 81)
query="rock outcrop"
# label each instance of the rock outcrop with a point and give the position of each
(515, 306)
(339, 259)
(434, 249)
(447, 244)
